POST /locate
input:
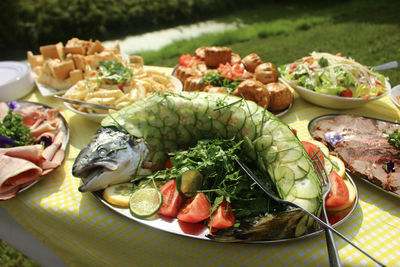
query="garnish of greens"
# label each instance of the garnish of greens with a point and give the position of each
(222, 178)
(13, 132)
(219, 80)
(114, 72)
(394, 139)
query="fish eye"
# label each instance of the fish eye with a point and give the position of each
(102, 151)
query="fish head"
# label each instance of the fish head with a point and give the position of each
(111, 157)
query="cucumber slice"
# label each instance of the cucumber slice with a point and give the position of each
(183, 136)
(301, 226)
(281, 131)
(263, 143)
(145, 202)
(169, 117)
(187, 116)
(290, 155)
(306, 188)
(285, 180)
(238, 118)
(219, 129)
(249, 130)
(309, 204)
(189, 182)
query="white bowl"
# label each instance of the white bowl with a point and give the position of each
(330, 101)
(16, 80)
(394, 95)
(99, 117)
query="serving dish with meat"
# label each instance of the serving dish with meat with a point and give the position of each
(220, 70)
(367, 146)
(33, 140)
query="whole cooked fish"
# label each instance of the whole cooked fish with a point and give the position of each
(112, 157)
(169, 122)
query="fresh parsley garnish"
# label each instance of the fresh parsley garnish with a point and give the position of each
(114, 72)
(394, 139)
(14, 132)
(217, 79)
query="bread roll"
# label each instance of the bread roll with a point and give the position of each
(251, 61)
(266, 73)
(253, 90)
(281, 97)
(213, 56)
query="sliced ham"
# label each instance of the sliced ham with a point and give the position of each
(14, 173)
(32, 153)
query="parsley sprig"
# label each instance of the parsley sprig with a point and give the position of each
(217, 79)
(394, 139)
(114, 72)
(13, 128)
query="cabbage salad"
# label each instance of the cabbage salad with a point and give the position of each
(330, 74)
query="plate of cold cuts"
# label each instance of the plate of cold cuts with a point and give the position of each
(27, 158)
(363, 143)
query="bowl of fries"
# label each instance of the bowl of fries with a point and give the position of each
(118, 86)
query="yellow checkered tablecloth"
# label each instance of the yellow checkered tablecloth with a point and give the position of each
(83, 232)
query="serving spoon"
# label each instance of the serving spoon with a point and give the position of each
(273, 195)
(83, 103)
(389, 65)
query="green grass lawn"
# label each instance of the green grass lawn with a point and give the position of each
(281, 32)
(367, 31)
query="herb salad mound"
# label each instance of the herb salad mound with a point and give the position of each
(223, 179)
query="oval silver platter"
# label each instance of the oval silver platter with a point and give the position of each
(312, 125)
(65, 129)
(200, 231)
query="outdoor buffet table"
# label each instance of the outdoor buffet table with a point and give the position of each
(81, 231)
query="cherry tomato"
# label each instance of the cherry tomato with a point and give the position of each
(346, 93)
(339, 194)
(223, 217)
(339, 54)
(314, 152)
(187, 60)
(196, 209)
(172, 200)
(168, 164)
(184, 60)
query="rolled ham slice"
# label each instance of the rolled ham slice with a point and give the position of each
(14, 174)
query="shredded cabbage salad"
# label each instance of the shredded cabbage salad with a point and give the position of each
(330, 74)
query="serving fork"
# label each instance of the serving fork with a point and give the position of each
(275, 197)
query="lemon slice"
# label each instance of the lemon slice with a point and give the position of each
(145, 202)
(338, 166)
(118, 194)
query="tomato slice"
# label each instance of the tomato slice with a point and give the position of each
(184, 60)
(339, 194)
(168, 164)
(346, 93)
(196, 209)
(314, 152)
(172, 200)
(223, 217)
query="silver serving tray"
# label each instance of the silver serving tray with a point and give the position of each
(65, 129)
(312, 125)
(201, 231)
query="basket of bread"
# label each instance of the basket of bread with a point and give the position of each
(219, 70)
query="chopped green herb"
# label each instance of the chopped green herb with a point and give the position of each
(12, 127)
(394, 139)
(217, 79)
(114, 72)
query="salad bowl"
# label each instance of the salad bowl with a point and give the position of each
(334, 81)
(331, 101)
(395, 95)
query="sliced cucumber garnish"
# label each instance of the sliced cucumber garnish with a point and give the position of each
(189, 182)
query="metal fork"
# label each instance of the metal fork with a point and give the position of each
(273, 195)
(334, 259)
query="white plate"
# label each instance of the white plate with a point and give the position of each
(330, 101)
(15, 80)
(46, 90)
